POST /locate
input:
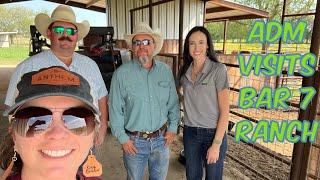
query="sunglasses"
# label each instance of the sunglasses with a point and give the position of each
(60, 30)
(144, 42)
(31, 121)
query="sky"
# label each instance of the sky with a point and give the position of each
(95, 18)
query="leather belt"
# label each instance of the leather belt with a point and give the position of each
(148, 134)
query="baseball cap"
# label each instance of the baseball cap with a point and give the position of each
(52, 81)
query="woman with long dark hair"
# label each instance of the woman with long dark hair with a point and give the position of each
(206, 106)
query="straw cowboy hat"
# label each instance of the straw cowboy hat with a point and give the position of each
(61, 13)
(144, 28)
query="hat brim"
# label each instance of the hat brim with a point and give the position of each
(11, 109)
(43, 21)
(158, 40)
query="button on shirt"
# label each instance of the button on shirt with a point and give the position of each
(142, 100)
(201, 98)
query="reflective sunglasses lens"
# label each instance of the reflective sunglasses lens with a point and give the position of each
(146, 42)
(71, 31)
(80, 121)
(30, 121)
(58, 29)
(136, 43)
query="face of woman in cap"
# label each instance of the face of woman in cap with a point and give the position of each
(198, 46)
(63, 37)
(56, 152)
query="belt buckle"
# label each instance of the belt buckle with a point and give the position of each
(146, 134)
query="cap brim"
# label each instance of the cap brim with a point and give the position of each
(11, 109)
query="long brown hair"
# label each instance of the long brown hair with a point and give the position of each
(187, 59)
(7, 152)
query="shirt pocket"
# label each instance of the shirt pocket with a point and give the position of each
(164, 91)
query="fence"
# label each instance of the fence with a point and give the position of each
(233, 47)
(260, 160)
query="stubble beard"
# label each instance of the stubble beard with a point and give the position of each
(143, 59)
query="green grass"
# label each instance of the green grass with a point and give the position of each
(13, 54)
(257, 47)
(16, 53)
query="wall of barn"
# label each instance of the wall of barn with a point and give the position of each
(165, 17)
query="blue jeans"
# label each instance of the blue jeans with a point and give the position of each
(196, 143)
(153, 152)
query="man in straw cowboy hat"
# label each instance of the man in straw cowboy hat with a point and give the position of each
(143, 106)
(64, 33)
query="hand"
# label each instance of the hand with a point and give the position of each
(100, 135)
(213, 154)
(169, 136)
(129, 147)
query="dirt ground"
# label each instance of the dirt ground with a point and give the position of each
(111, 155)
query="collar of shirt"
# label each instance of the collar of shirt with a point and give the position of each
(141, 68)
(205, 70)
(55, 58)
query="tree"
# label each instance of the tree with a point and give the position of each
(240, 29)
(16, 19)
(274, 7)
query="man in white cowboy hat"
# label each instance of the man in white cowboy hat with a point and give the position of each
(143, 106)
(64, 33)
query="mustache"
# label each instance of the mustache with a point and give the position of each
(142, 50)
(65, 38)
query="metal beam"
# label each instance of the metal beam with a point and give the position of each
(10, 1)
(80, 5)
(217, 9)
(301, 151)
(92, 2)
(70, 3)
(181, 11)
(150, 13)
(233, 18)
(235, 6)
(302, 14)
(204, 13)
(153, 4)
(225, 29)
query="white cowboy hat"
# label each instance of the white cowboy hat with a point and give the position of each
(144, 28)
(61, 13)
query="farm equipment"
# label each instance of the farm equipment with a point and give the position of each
(98, 45)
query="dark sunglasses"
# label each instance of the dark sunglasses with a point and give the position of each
(31, 121)
(60, 30)
(144, 42)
